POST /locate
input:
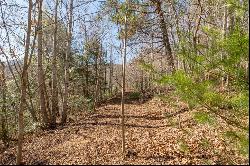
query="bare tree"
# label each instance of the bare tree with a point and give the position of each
(40, 72)
(111, 67)
(86, 90)
(54, 73)
(24, 80)
(97, 75)
(66, 74)
(163, 26)
(123, 81)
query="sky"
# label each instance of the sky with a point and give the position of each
(19, 17)
(12, 41)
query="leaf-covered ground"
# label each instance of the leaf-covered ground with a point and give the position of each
(153, 136)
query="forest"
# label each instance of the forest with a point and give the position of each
(124, 82)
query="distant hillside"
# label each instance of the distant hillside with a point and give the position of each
(14, 65)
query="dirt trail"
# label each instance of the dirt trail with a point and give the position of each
(96, 139)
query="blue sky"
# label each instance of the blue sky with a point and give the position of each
(21, 18)
(15, 18)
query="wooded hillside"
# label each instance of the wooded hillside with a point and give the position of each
(124, 82)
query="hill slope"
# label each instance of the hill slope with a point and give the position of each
(152, 138)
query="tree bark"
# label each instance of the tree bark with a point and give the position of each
(105, 73)
(123, 83)
(223, 56)
(87, 78)
(166, 42)
(40, 72)
(55, 109)
(198, 22)
(66, 71)
(86, 89)
(24, 80)
(96, 95)
(110, 72)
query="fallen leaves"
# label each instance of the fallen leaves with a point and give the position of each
(150, 139)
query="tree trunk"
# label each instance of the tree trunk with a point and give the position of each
(40, 72)
(96, 95)
(110, 72)
(105, 73)
(31, 107)
(24, 80)
(46, 96)
(224, 26)
(166, 43)
(87, 78)
(123, 84)
(152, 75)
(55, 109)
(142, 82)
(198, 22)
(66, 71)
(86, 89)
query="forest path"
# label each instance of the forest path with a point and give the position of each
(96, 138)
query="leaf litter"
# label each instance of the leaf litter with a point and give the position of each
(151, 138)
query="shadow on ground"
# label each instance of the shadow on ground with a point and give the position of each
(129, 98)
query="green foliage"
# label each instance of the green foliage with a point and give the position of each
(221, 55)
(203, 117)
(212, 98)
(238, 139)
(183, 146)
(171, 120)
(236, 6)
(147, 67)
(90, 104)
(205, 143)
(135, 95)
(81, 103)
(92, 48)
(208, 162)
(198, 92)
(117, 11)
(186, 88)
(240, 103)
(32, 127)
(164, 98)
(77, 102)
